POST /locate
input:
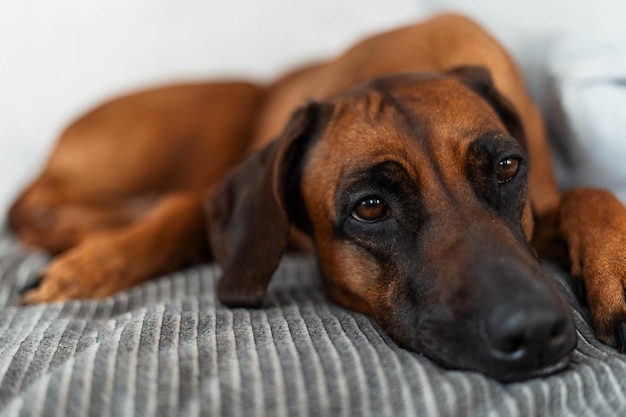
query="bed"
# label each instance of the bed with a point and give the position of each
(169, 348)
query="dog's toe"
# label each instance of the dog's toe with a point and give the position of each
(48, 288)
(93, 269)
(31, 285)
(605, 297)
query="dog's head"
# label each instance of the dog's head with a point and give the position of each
(414, 190)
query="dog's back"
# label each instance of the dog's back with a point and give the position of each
(445, 42)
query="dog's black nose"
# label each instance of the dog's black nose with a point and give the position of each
(528, 333)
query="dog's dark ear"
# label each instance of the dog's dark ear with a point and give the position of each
(248, 215)
(479, 79)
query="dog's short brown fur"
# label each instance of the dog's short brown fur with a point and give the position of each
(416, 162)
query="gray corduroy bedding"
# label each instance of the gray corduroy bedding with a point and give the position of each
(169, 348)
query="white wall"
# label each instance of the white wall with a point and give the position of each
(529, 28)
(57, 58)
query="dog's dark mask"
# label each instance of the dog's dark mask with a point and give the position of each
(413, 188)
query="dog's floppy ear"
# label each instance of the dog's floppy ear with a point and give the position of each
(479, 79)
(249, 215)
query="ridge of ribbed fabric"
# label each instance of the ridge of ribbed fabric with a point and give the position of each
(169, 348)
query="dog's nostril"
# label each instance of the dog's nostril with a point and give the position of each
(508, 338)
(557, 333)
(512, 346)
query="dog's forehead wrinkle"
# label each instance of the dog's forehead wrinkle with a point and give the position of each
(374, 116)
(405, 117)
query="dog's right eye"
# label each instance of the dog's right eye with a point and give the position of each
(370, 209)
(506, 170)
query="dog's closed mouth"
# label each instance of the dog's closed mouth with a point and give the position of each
(551, 369)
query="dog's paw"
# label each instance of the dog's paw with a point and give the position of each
(604, 277)
(95, 268)
(593, 224)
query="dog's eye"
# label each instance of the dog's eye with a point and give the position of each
(506, 170)
(370, 209)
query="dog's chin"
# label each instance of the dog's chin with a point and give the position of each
(502, 374)
(471, 360)
(551, 369)
(518, 376)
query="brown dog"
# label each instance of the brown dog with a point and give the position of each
(419, 168)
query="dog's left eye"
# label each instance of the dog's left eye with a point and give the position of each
(370, 209)
(506, 169)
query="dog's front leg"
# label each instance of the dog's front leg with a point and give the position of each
(171, 234)
(593, 224)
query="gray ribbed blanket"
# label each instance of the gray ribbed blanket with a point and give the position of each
(168, 348)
